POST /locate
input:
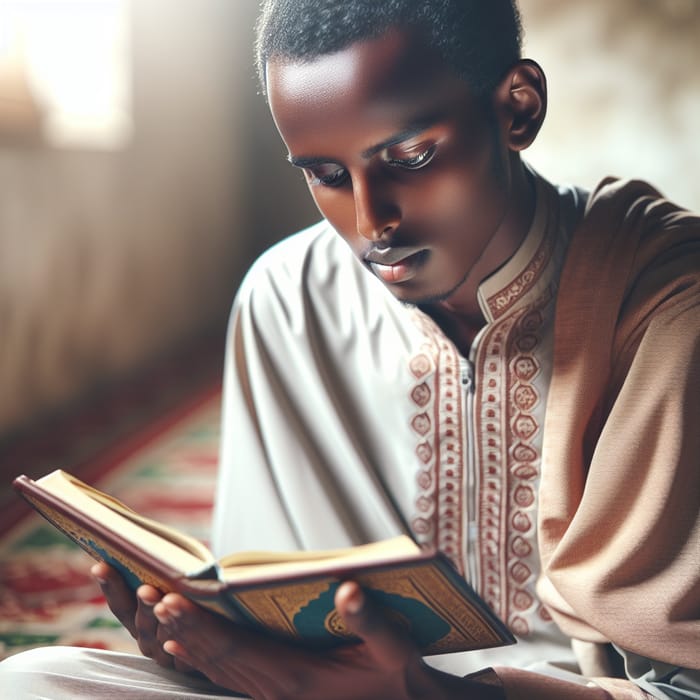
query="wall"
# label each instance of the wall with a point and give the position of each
(110, 258)
(624, 88)
(107, 259)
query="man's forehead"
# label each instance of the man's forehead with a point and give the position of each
(390, 66)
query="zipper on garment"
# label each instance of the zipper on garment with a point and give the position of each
(471, 485)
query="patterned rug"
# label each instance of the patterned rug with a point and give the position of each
(46, 593)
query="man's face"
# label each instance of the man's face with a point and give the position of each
(399, 156)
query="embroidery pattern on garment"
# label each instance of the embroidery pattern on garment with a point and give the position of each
(491, 431)
(502, 301)
(509, 454)
(438, 423)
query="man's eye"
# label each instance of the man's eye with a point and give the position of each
(411, 161)
(328, 176)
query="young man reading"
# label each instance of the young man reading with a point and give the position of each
(461, 351)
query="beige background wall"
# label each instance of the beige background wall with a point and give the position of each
(624, 83)
(109, 258)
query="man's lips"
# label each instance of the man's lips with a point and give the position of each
(394, 265)
(391, 256)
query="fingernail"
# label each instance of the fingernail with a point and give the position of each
(100, 579)
(171, 647)
(354, 604)
(174, 612)
(166, 614)
(161, 614)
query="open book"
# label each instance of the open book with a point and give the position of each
(289, 594)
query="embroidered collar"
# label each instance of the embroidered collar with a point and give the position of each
(527, 273)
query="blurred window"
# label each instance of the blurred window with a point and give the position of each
(65, 73)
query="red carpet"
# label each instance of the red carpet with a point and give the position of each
(161, 461)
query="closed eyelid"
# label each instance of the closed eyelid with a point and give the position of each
(328, 174)
(410, 149)
(412, 131)
(412, 161)
(400, 137)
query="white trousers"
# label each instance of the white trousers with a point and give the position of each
(72, 673)
(69, 673)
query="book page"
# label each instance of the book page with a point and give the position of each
(253, 564)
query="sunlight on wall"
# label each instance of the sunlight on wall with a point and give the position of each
(624, 87)
(65, 70)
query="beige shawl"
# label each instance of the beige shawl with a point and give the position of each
(619, 521)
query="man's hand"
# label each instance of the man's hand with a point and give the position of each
(179, 634)
(135, 612)
(384, 665)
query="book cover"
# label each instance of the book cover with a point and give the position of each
(419, 590)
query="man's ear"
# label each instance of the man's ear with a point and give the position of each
(520, 101)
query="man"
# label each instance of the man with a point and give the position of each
(389, 371)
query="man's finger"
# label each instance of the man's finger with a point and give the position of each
(120, 598)
(390, 648)
(147, 626)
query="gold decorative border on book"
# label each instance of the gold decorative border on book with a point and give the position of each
(275, 607)
(90, 543)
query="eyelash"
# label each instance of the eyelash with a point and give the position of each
(339, 176)
(414, 163)
(335, 179)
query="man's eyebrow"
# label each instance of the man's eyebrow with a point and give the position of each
(302, 162)
(409, 132)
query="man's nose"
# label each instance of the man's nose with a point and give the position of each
(377, 213)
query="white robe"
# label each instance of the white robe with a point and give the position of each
(346, 420)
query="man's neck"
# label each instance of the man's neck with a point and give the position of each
(460, 316)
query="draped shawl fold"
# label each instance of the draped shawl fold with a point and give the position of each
(619, 524)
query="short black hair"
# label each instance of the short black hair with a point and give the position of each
(479, 39)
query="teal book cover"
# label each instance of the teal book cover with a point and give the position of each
(425, 597)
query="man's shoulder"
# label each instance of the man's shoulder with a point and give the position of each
(311, 285)
(625, 217)
(299, 258)
(629, 251)
(293, 251)
(314, 268)
(629, 201)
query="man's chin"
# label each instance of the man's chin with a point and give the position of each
(417, 297)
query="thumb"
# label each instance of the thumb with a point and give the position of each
(390, 648)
